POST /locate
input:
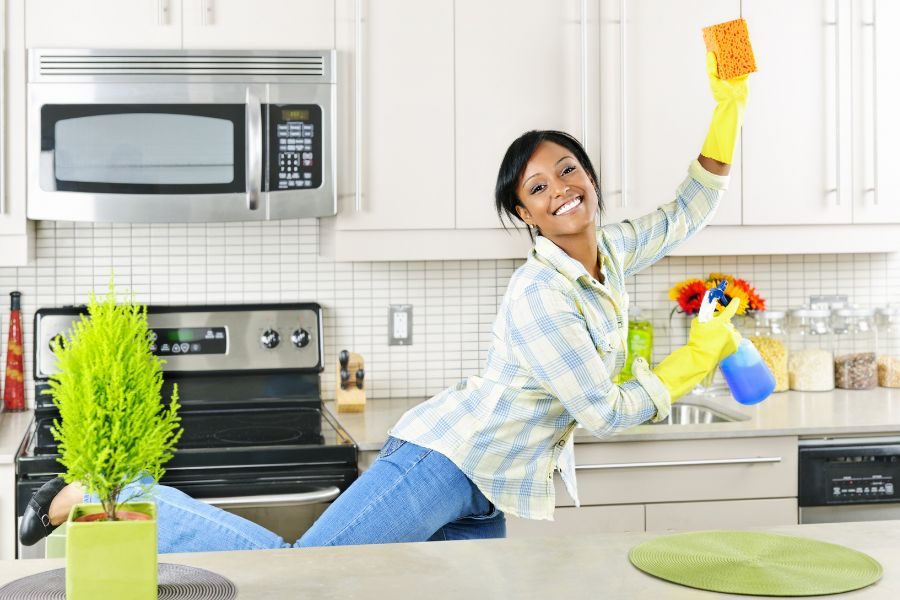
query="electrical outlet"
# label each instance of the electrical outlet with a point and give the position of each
(400, 325)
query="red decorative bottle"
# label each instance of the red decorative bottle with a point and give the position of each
(14, 394)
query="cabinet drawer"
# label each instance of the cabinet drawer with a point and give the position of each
(727, 514)
(684, 470)
(574, 521)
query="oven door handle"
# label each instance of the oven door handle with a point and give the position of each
(253, 144)
(318, 496)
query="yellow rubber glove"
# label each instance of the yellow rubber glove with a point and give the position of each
(731, 98)
(708, 343)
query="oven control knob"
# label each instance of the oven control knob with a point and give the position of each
(270, 338)
(300, 338)
(57, 340)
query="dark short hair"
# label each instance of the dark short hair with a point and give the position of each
(506, 195)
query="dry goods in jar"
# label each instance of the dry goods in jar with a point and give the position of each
(775, 356)
(855, 371)
(889, 371)
(811, 370)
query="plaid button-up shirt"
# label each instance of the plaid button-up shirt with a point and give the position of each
(558, 339)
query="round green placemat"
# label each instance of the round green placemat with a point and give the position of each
(747, 562)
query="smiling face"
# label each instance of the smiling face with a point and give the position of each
(558, 195)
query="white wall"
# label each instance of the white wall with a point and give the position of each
(454, 301)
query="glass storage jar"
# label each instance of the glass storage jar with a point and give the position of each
(810, 357)
(888, 334)
(854, 348)
(770, 338)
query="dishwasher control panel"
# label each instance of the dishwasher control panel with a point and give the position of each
(857, 474)
(855, 488)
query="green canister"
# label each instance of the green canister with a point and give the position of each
(640, 342)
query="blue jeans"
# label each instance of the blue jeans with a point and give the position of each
(409, 494)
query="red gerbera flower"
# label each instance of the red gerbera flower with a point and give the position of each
(690, 296)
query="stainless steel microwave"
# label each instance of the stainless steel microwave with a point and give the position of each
(169, 136)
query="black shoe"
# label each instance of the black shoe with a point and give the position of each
(35, 524)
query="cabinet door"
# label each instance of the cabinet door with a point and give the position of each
(103, 24)
(520, 65)
(266, 24)
(17, 235)
(579, 521)
(656, 103)
(876, 181)
(736, 514)
(797, 127)
(405, 137)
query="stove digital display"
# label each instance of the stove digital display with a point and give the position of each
(189, 340)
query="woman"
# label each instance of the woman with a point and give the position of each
(455, 464)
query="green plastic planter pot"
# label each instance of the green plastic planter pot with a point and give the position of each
(111, 559)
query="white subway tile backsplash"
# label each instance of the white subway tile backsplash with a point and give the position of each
(454, 302)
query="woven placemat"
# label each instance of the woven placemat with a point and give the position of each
(763, 564)
(176, 582)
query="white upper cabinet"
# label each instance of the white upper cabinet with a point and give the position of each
(17, 242)
(656, 103)
(820, 136)
(520, 65)
(797, 129)
(395, 115)
(876, 122)
(259, 24)
(163, 24)
(103, 24)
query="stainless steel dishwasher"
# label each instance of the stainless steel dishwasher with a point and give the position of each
(849, 479)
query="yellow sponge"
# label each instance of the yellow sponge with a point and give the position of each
(730, 42)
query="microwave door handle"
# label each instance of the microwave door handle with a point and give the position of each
(253, 144)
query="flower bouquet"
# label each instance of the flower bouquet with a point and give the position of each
(689, 295)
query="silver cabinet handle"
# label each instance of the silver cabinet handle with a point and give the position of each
(162, 15)
(584, 73)
(253, 144)
(358, 78)
(837, 102)
(680, 463)
(873, 189)
(206, 12)
(316, 497)
(623, 141)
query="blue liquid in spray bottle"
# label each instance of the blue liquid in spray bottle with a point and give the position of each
(747, 375)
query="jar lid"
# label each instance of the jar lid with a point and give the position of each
(854, 312)
(810, 312)
(770, 315)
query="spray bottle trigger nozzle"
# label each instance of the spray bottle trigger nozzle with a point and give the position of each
(718, 293)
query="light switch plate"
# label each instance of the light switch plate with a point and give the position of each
(400, 325)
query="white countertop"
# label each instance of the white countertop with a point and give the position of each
(804, 414)
(585, 566)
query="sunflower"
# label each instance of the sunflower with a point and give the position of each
(736, 291)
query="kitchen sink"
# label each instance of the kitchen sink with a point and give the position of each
(687, 412)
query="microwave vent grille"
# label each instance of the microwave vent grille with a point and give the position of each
(133, 66)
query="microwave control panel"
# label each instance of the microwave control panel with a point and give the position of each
(295, 146)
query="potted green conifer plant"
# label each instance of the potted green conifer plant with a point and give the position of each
(114, 430)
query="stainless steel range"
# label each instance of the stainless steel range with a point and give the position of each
(256, 439)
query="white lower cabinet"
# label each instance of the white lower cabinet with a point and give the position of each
(574, 521)
(8, 510)
(728, 514)
(676, 485)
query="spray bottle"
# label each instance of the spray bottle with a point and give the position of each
(745, 371)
